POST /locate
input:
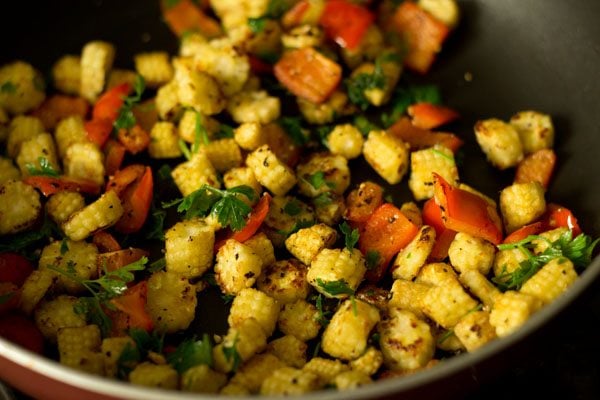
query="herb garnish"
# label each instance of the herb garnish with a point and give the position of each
(317, 180)
(126, 119)
(200, 134)
(133, 354)
(578, 250)
(8, 87)
(372, 259)
(292, 126)
(23, 240)
(404, 97)
(45, 169)
(231, 354)
(224, 204)
(351, 236)
(356, 86)
(191, 353)
(292, 208)
(303, 223)
(335, 288)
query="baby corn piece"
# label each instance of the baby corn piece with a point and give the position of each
(285, 281)
(96, 60)
(152, 375)
(101, 214)
(551, 280)
(271, 172)
(189, 248)
(20, 207)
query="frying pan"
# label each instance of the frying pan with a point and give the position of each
(532, 54)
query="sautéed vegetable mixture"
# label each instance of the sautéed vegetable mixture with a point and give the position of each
(125, 195)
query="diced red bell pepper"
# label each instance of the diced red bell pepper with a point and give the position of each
(558, 216)
(467, 212)
(418, 138)
(293, 17)
(132, 304)
(184, 16)
(105, 242)
(136, 200)
(49, 185)
(109, 104)
(346, 22)
(524, 231)
(98, 130)
(362, 202)
(423, 34)
(254, 222)
(432, 216)
(114, 154)
(21, 330)
(308, 74)
(537, 166)
(430, 116)
(14, 268)
(258, 66)
(125, 177)
(387, 232)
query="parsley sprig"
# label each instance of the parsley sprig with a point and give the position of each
(351, 236)
(293, 127)
(335, 288)
(133, 354)
(357, 85)
(317, 180)
(110, 285)
(126, 119)
(191, 353)
(578, 250)
(45, 169)
(231, 354)
(24, 240)
(224, 204)
(406, 96)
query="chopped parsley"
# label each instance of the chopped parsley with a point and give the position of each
(372, 259)
(8, 87)
(45, 169)
(335, 288)
(317, 180)
(363, 124)
(231, 354)
(257, 25)
(23, 240)
(191, 353)
(126, 119)
(64, 246)
(133, 354)
(351, 236)
(224, 204)
(292, 208)
(225, 132)
(405, 97)
(296, 227)
(357, 85)
(156, 224)
(323, 200)
(292, 126)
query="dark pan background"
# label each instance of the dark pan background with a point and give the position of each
(533, 54)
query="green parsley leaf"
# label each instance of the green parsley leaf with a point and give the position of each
(126, 119)
(128, 359)
(363, 124)
(277, 8)
(164, 173)
(225, 132)
(351, 236)
(357, 85)
(191, 353)
(324, 316)
(231, 354)
(293, 127)
(323, 200)
(292, 207)
(200, 134)
(224, 204)
(8, 87)
(64, 246)
(187, 153)
(335, 288)
(45, 169)
(21, 241)
(257, 25)
(296, 227)
(91, 309)
(317, 180)
(578, 250)
(426, 94)
(227, 298)
(405, 97)
(372, 259)
(156, 224)
(323, 133)
(157, 265)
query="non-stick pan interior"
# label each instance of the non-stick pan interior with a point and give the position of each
(506, 56)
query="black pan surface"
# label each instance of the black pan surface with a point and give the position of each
(534, 54)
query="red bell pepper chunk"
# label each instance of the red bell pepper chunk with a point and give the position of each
(14, 268)
(294, 16)
(432, 216)
(184, 16)
(345, 22)
(136, 200)
(524, 231)
(423, 34)
(105, 242)
(125, 177)
(419, 138)
(387, 232)
(558, 216)
(430, 116)
(537, 166)
(467, 212)
(49, 185)
(132, 304)
(254, 222)
(99, 130)
(109, 104)
(21, 330)
(114, 154)
(258, 66)
(362, 202)
(308, 74)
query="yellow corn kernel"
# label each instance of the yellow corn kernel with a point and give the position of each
(234, 389)
(96, 60)
(80, 257)
(191, 175)
(101, 214)
(164, 141)
(190, 119)
(189, 248)
(118, 77)
(152, 375)
(252, 303)
(243, 176)
(406, 341)
(61, 205)
(171, 301)
(535, 130)
(224, 154)
(51, 316)
(250, 136)
(154, 67)
(336, 105)
(336, 265)
(289, 381)
(308, 242)
(69, 131)
(333, 168)
(247, 339)
(511, 310)
(261, 245)
(423, 163)
(474, 330)
(33, 150)
(290, 350)
(387, 155)
(300, 319)
(197, 89)
(411, 258)
(285, 281)
(271, 172)
(447, 304)
(20, 207)
(551, 280)
(20, 129)
(202, 379)
(348, 331)
(167, 101)
(254, 106)
(66, 74)
(346, 141)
